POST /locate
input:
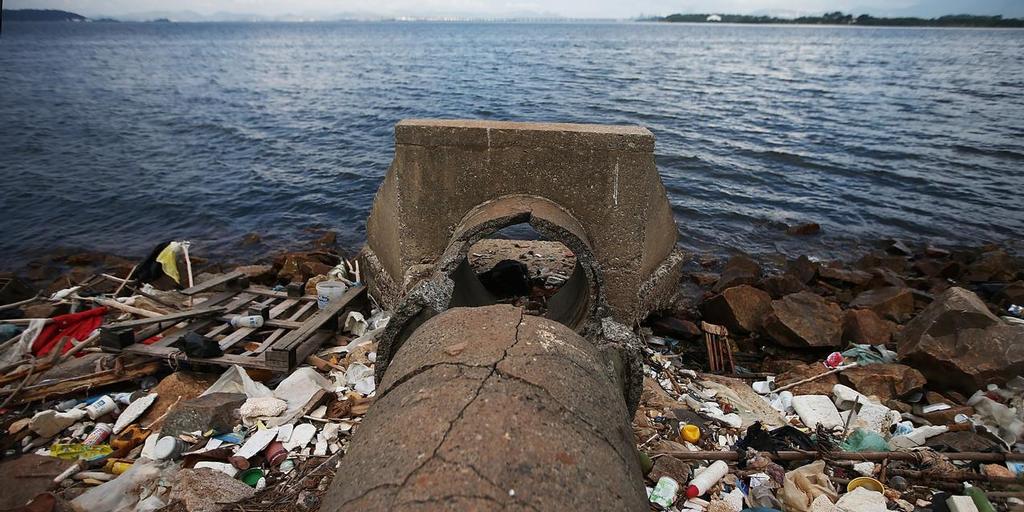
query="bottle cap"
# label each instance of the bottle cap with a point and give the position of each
(692, 492)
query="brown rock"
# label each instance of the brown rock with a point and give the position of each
(821, 386)
(262, 274)
(997, 470)
(948, 416)
(994, 265)
(177, 387)
(931, 397)
(809, 228)
(781, 285)
(863, 326)
(314, 268)
(313, 281)
(882, 277)
(804, 320)
(894, 303)
(251, 239)
(958, 343)
(844, 276)
(738, 270)
(881, 259)
(673, 327)
(329, 241)
(705, 278)
(885, 381)
(936, 252)
(671, 467)
(898, 406)
(1012, 293)
(740, 308)
(802, 268)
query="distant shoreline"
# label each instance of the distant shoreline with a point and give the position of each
(838, 18)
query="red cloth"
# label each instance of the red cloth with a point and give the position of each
(76, 325)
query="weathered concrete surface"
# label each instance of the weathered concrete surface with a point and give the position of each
(489, 409)
(595, 188)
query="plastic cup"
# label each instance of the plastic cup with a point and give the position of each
(326, 291)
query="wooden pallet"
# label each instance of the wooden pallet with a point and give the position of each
(293, 327)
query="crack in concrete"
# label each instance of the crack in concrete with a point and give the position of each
(423, 369)
(462, 411)
(598, 432)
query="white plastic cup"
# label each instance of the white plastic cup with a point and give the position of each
(326, 291)
(103, 405)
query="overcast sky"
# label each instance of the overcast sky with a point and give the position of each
(569, 8)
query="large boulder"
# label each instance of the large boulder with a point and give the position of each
(994, 265)
(865, 327)
(804, 320)
(802, 268)
(891, 302)
(843, 276)
(738, 270)
(740, 308)
(885, 381)
(958, 343)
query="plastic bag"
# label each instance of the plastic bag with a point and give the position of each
(123, 493)
(865, 441)
(235, 380)
(802, 485)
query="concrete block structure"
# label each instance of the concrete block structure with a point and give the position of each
(594, 188)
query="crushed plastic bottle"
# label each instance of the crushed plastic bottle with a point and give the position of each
(78, 451)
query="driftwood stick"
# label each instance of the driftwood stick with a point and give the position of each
(128, 277)
(814, 378)
(20, 303)
(861, 456)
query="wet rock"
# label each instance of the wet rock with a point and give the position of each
(994, 265)
(740, 308)
(206, 490)
(899, 248)
(864, 326)
(216, 411)
(821, 386)
(957, 342)
(327, 242)
(738, 270)
(251, 239)
(1012, 293)
(891, 302)
(809, 228)
(259, 274)
(705, 279)
(881, 259)
(804, 320)
(881, 277)
(781, 285)
(802, 268)
(844, 276)
(675, 328)
(936, 252)
(885, 381)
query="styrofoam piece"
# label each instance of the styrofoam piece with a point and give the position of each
(815, 409)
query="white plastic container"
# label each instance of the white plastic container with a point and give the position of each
(326, 291)
(102, 405)
(706, 479)
(250, 322)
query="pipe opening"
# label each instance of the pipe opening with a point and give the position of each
(528, 262)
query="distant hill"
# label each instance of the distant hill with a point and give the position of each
(40, 15)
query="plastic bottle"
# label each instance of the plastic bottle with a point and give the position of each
(706, 479)
(250, 322)
(99, 434)
(103, 405)
(979, 498)
(916, 438)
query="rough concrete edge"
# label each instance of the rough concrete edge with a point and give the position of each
(620, 347)
(658, 291)
(378, 281)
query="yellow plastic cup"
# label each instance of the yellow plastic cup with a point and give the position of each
(690, 433)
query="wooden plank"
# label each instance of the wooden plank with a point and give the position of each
(173, 317)
(268, 342)
(177, 355)
(267, 292)
(85, 383)
(225, 279)
(239, 301)
(318, 320)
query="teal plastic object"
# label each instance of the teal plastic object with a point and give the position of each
(864, 441)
